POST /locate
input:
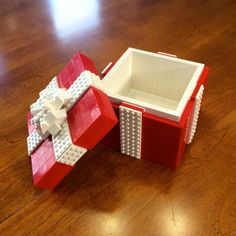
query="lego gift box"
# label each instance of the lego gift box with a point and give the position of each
(146, 106)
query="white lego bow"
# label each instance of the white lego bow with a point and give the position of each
(49, 111)
(52, 113)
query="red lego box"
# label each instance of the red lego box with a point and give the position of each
(169, 92)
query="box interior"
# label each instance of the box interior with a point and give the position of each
(152, 81)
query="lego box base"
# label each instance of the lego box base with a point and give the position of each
(168, 90)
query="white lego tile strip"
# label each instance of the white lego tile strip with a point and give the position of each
(72, 155)
(61, 141)
(81, 84)
(33, 141)
(130, 131)
(192, 123)
(65, 151)
(77, 89)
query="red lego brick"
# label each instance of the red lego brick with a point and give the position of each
(163, 140)
(160, 141)
(112, 138)
(47, 172)
(74, 68)
(91, 118)
(107, 69)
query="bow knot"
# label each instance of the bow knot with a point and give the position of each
(49, 116)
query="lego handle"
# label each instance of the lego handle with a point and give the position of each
(166, 54)
(107, 69)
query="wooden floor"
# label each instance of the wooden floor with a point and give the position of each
(109, 193)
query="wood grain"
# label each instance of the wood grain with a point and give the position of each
(111, 194)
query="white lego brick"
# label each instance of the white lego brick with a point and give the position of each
(52, 121)
(95, 81)
(54, 128)
(53, 116)
(48, 117)
(60, 115)
(130, 131)
(57, 102)
(44, 126)
(67, 97)
(61, 98)
(33, 141)
(65, 151)
(193, 119)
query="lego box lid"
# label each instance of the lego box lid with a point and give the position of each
(72, 104)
